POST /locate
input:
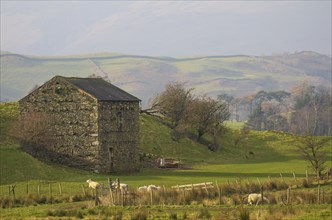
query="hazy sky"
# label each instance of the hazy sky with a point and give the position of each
(165, 28)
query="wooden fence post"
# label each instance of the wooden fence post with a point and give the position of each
(219, 192)
(262, 196)
(84, 193)
(288, 195)
(307, 176)
(27, 189)
(206, 190)
(38, 189)
(97, 201)
(60, 189)
(50, 189)
(318, 195)
(282, 178)
(259, 181)
(151, 197)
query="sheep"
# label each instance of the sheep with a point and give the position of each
(93, 184)
(153, 187)
(142, 188)
(123, 186)
(148, 188)
(255, 198)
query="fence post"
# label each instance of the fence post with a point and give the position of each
(282, 178)
(318, 195)
(9, 189)
(262, 196)
(307, 176)
(288, 195)
(259, 181)
(27, 189)
(50, 189)
(60, 189)
(83, 190)
(219, 192)
(151, 197)
(38, 189)
(207, 192)
(97, 202)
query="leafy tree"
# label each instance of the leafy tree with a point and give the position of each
(173, 102)
(206, 115)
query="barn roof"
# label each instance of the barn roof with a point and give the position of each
(100, 89)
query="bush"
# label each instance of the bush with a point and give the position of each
(139, 215)
(203, 213)
(173, 216)
(244, 214)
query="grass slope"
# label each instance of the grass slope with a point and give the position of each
(272, 153)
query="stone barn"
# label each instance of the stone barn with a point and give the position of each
(93, 124)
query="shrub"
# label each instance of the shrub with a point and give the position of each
(173, 216)
(139, 215)
(204, 213)
(244, 214)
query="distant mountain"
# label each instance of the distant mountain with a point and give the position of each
(145, 76)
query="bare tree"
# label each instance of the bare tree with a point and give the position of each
(33, 128)
(312, 150)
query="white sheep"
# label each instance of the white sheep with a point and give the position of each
(142, 188)
(93, 184)
(153, 187)
(255, 198)
(123, 186)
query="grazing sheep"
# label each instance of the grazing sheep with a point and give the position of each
(123, 186)
(153, 187)
(142, 188)
(93, 184)
(255, 198)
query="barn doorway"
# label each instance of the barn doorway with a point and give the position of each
(111, 159)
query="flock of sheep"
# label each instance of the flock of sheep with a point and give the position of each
(253, 198)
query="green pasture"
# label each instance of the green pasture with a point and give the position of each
(262, 154)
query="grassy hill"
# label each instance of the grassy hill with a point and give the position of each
(271, 153)
(145, 76)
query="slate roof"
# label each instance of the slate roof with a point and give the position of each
(101, 90)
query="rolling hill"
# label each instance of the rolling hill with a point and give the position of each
(145, 76)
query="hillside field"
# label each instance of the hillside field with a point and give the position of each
(262, 155)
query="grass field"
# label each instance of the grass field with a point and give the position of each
(260, 156)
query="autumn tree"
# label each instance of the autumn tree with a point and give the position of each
(311, 110)
(205, 114)
(173, 102)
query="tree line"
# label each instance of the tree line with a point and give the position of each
(305, 110)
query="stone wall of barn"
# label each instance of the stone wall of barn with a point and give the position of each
(72, 138)
(119, 136)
